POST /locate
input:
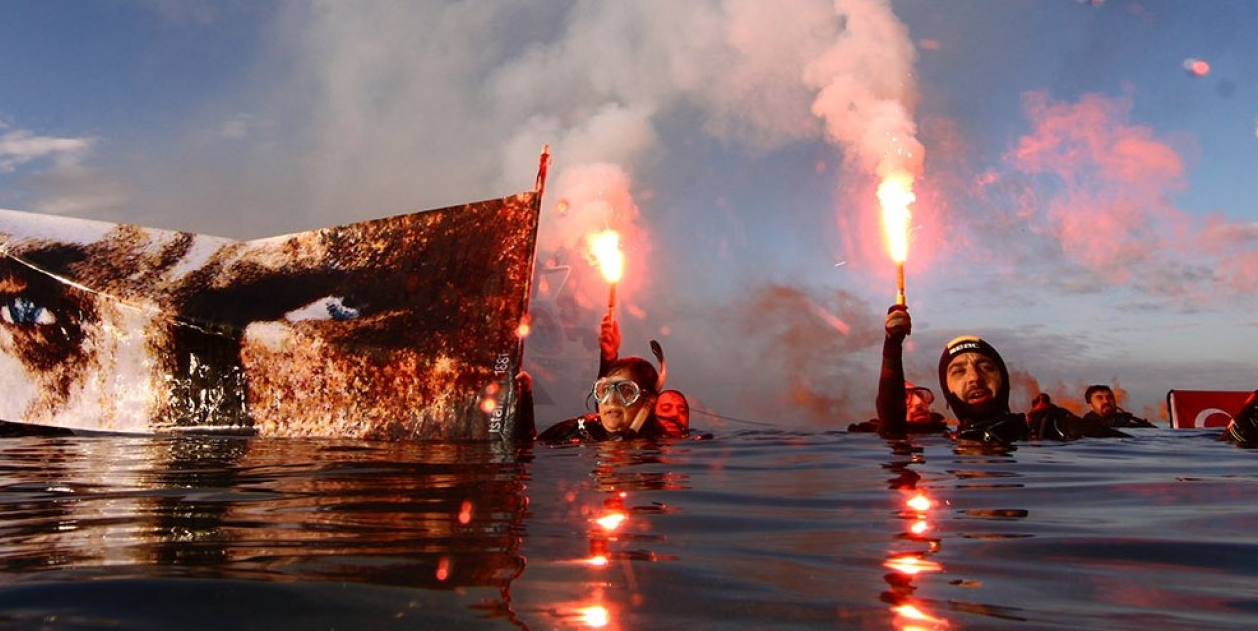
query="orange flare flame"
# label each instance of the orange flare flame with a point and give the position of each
(605, 247)
(895, 193)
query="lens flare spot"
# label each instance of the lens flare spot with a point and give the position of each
(465, 512)
(1197, 67)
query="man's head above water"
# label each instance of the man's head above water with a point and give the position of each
(1100, 398)
(974, 378)
(917, 402)
(626, 395)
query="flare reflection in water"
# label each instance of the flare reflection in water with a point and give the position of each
(441, 516)
(617, 530)
(910, 563)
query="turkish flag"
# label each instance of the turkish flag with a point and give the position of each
(1204, 408)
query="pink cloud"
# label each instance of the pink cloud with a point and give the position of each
(1111, 184)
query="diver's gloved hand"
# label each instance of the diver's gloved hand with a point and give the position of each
(609, 338)
(524, 381)
(1044, 420)
(1243, 428)
(899, 325)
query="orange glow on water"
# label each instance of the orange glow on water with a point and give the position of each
(917, 615)
(919, 503)
(912, 566)
(605, 248)
(611, 521)
(597, 560)
(595, 616)
(920, 527)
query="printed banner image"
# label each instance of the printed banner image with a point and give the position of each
(397, 328)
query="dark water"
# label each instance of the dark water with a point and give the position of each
(753, 530)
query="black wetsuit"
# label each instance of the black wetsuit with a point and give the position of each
(891, 402)
(1002, 427)
(1121, 418)
(937, 424)
(1057, 423)
(588, 428)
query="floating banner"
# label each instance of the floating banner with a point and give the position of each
(398, 328)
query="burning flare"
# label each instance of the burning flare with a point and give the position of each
(895, 193)
(605, 247)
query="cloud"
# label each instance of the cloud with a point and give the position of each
(20, 147)
(1085, 201)
(51, 175)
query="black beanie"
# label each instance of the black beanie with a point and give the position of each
(972, 344)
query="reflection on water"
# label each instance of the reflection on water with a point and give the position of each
(758, 530)
(438, 516)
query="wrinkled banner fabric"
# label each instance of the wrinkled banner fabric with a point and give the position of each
(399, 328)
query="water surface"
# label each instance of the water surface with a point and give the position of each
(752, 530)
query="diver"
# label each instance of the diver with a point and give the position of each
(1104, 407)
(671, 406)
(905, 404)
(624, 402)
(975, 381)
(673, 412)
(1242, 430)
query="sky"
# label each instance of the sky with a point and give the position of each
(1085, 192)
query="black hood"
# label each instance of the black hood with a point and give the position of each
(964, 411)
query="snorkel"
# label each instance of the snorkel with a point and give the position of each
(649, 408)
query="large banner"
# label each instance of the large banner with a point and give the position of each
(400, 328)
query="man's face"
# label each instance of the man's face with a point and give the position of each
(617, 414)
(1102, 402)
(673, 412)
(974, 378)
(917, 402)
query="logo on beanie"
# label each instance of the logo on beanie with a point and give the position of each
(966, 344)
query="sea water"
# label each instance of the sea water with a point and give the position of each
(749, 530)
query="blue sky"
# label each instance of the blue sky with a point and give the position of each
(1085, 203)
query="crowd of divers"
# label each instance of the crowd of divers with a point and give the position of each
(629, 400)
